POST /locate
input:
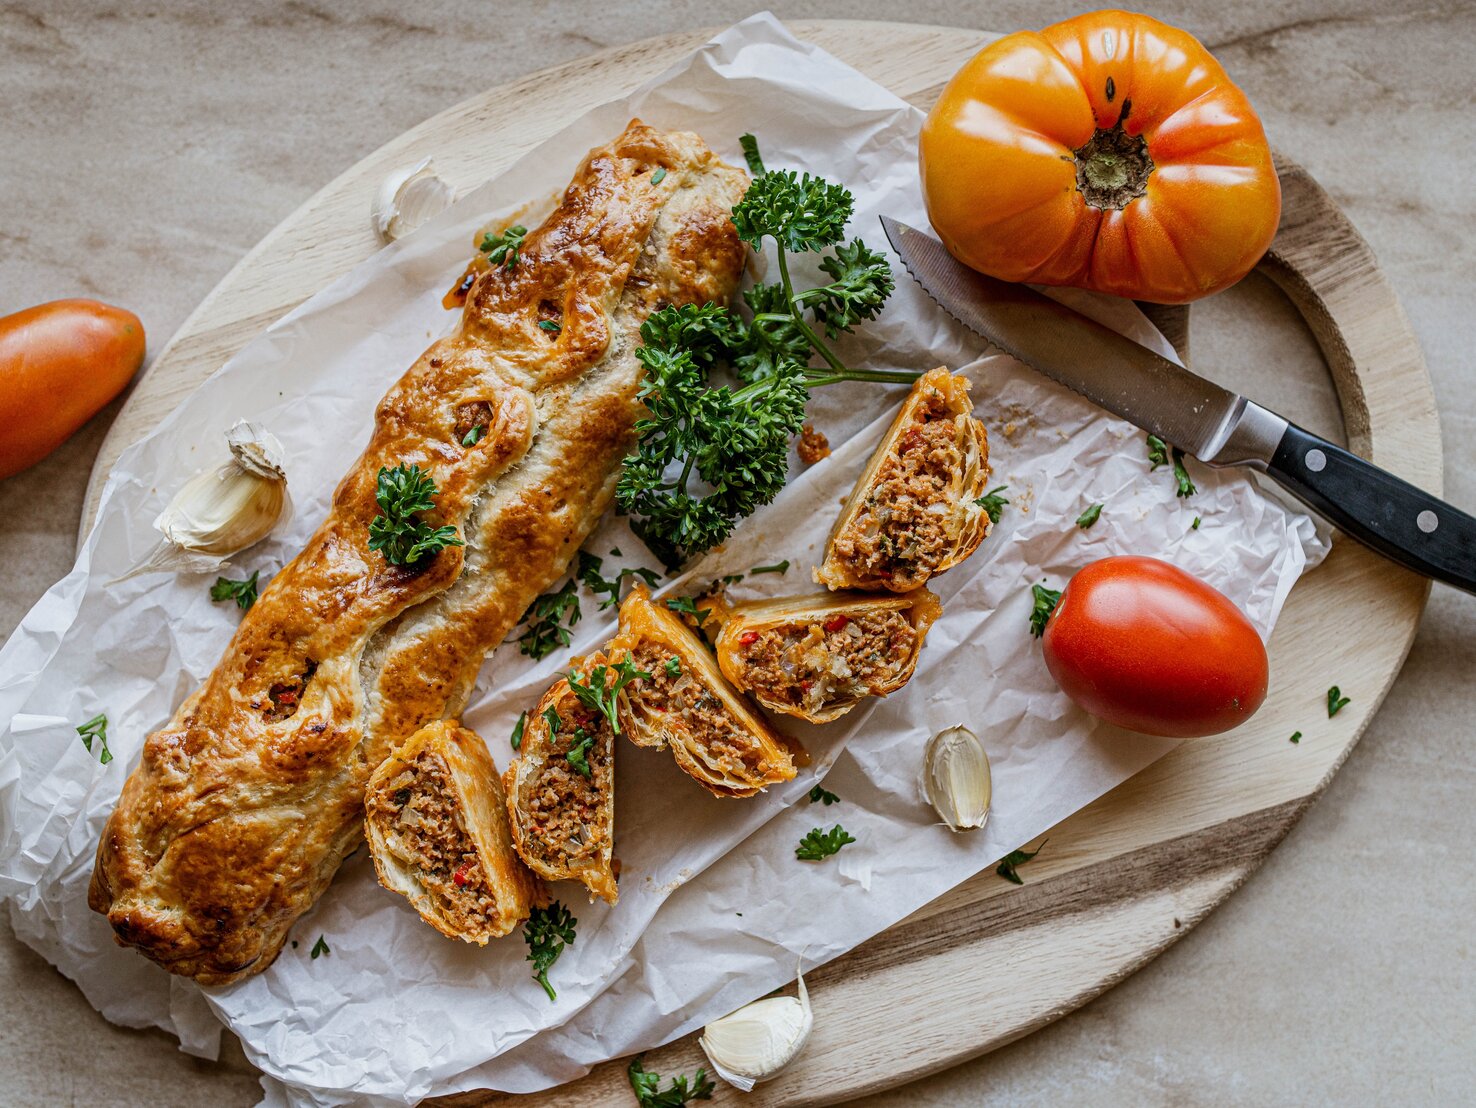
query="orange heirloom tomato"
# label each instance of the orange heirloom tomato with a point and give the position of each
(1109, 152)
(59, 364)
(1144, 645)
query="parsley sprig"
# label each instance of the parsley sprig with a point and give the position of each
(821, 796)
(547, 932)
(397, 531)
(547, 622)
(97, 728)
(709, 454)
(503, 249)
(609, 588)
(992, 503)
(820, 843)
(1014, 858)
(650, 1094)
(1045, 605)
(600, 690)
(242, 592)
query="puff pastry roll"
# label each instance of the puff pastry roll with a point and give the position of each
(817, 657)
(687, 705)
(913, 512)
(244, 804)
(561, 789)
(436, 820)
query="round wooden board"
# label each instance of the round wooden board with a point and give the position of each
(1127, 875)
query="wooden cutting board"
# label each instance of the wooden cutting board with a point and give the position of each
(1126, 876)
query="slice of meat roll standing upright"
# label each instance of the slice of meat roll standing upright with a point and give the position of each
(436, 820)
(687, 705)
(561, 789)
(913, 513)
(817, 657)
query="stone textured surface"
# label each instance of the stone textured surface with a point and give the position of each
(146, 147)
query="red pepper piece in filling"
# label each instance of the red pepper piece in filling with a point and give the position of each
(835, 623)
(748, 638)
(460, 878)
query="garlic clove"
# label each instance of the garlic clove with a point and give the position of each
(956, 778)
(759, 1040)
(407, 198)
(222, 511)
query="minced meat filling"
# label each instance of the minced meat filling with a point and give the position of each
(424, 829)
(900, 535)
(842, 657)
(562, 804)
(675, 691)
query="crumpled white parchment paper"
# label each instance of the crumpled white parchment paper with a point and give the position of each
(396, 1012)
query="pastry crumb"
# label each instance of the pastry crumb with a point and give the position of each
(813, 445)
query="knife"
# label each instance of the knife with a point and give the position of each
(1215, 425)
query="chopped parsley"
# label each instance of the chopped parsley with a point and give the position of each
(1158, 453)
(550, 326)
(820, 796)
(242, 592)
(1045, 604)
(1007, 864)
(650, 1094)
(599, 693)
(688, 607)
(1181, 476)
(547, 932)
(673, 666)
(397, 531)
(578, 753)
(551, 717)
(589, 574)
(517, 732)
(658, 176)
(1296, 736)
(992, 503)
(1335, 701)
(820, 843)
(778, 567)
(503, 249)
(751, 155)
(474, 436)
(1089, 517)
(1195, 525)
(97, 728)
(548, 621)
(319, 947)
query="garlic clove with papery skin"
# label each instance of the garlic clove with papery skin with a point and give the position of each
(224, 510)
(407, 198)
(760, 1039)
(956, 778)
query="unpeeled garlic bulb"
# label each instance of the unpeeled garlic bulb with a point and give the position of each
(760, 1039)
(407, 198)
(956, 779)
(224, 510)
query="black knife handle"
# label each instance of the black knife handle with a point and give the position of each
(1403, 523)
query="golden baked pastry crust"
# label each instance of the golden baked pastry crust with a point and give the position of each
(435, 817)
(726, 747)
(912, 514)
(808, 656)
(239, 813)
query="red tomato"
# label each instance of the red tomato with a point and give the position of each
(1142, 644)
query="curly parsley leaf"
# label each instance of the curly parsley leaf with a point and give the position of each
(1045, 604)
(992, 503)
(820, 796)
(97, 728)
(650, 1094)
(798, 211)
(242, 592)
(862, 281)
(397, 532)
(547, 932)
(1007, 864)
(1335, 701)
(820, 843)
(548, 621)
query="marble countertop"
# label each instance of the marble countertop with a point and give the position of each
(148, 147)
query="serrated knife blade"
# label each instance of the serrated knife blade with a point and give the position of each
(1131, 381)
(1217, 426)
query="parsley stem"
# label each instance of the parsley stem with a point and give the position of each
(885, 376)
(799, 319)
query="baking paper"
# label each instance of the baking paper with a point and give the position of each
(395, 1012)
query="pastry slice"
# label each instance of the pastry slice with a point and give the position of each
(686, 705)
(913, 513)
(561, 790)
(817, 657)
(436, 821)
